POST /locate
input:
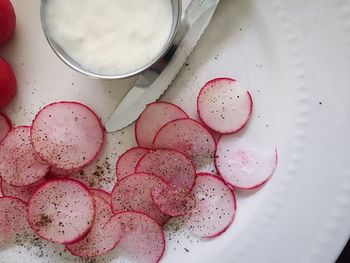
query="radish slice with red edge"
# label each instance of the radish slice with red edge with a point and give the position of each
(133, 193)
(127, 161)
(68, 135)
(19, 164)
(141, 237)
(243, 164)
(171, 165)
(189, 137)
(102, 194)
(224, 106)
(98, 242)
(153, 118)
(61, 211)
(63, 172)
(213, 209)
(5, 126)
(13, 219)
(22, 192)
(172, 200)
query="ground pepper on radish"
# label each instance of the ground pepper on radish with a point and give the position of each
(154, 184)
(127, 162)
(19, 163)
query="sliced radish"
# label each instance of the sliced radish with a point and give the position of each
(98, 242)
(171, 165)
(127, 161)
(13, 219)
(213, 209)
(142, 238)
(19, 164)
(244, 164)
(153, 118)
(68, 135)
(189, 137)
(102, 194)
(224, 106)
(22, 192)
(5, 126)
(172, 200)
(61, 211)
(63, 172)
(133, 193)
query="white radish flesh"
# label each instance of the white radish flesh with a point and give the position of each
(22, 192)
(172, 200)
(213, 209)
(13, 219)
(243, 164)
(171, 165)
(224, 106)
(98, 242)
(189, 137)
(127, 161)
(19, 164)
(133, 193)
(68, 135)
(61, 211)
(141, 237)
(153, 118)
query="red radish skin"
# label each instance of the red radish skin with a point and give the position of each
(13, 219)
(61, 211)
(171, 165)
(102, 194)
(213, 209)
(172, 200)
(98, 242)
(242, 165)
(23, 192)
(68, 135)
(126, 163)
(5, 126)
(224, 106)
(8, 83)
(155, 116)
(189, 137)
(133, 193)
(154, 184)
(141, 237)
(7, 21)
(19, 164)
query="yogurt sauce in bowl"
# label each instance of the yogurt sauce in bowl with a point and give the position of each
(110, 37)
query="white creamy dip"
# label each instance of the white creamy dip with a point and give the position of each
(110, 36)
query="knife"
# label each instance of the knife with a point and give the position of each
(153, 82)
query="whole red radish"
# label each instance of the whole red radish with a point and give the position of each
(8, 85)
(7, 21)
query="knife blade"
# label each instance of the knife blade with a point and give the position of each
(153, 83)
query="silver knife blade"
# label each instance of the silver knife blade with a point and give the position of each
(195, 21)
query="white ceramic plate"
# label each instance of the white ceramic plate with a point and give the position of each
(294, 57)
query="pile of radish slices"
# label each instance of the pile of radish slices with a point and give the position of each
(160, 179)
